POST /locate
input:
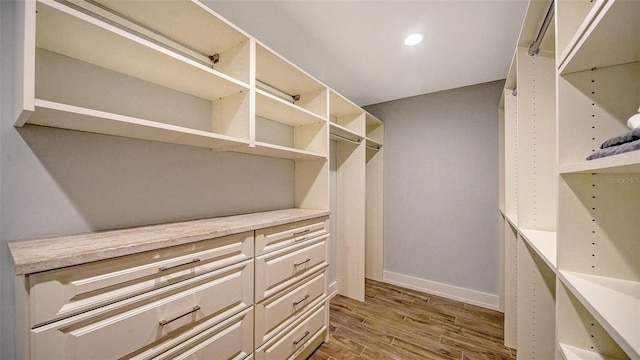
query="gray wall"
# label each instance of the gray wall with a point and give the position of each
(441, 186)
(59, 182)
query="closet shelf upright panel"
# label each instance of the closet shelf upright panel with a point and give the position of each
(83, 82)
(374, 219)
(347, 121)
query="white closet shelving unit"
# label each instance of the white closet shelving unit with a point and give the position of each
(359, 159)
(574, 221)
(347, 126)
(177, 72)
(374, 198)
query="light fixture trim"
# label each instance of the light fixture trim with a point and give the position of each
(413, 39)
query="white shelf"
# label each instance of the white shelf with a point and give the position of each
(273, 108)
(341, 106)
(611, 39)
(70, 117)
(512, 219)
(275, 71)
(615, 303)
(574, 353)
(544, 243)
(277, 151)
(72, 33)
(189, 23)
(622, 163)
(342, 131)
(578, 16)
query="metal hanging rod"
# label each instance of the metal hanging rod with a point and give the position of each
(376, 148)
(340, 137)
(125, 23)
(277, 92)
(535, 46)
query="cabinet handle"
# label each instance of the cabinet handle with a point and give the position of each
(165, 322)
(162, 268)
(301, 300)
(303, 336)
(302, 263)
(301, 232)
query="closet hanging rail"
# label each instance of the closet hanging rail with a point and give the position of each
(376, 148)
(535, 46)
(277, 92)
(340, 137)
(158, 38)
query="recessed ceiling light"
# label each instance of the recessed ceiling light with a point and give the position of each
(413, 39)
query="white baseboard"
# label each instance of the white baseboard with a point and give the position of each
(333, 289)
(472, 297)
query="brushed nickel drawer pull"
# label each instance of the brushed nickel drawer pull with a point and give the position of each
(301, 300)
(301, 232)
(303, 336)
(302, 263)
(162, 268)
(165, 322)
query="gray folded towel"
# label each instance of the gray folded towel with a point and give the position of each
(614, 150)
(632, 135)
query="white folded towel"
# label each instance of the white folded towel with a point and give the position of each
(634, 121)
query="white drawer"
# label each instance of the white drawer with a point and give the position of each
(151, 320)
(282, 268)
(278, 237)
(231, 339)
(68, 291)
(295, 338)
(282, 309)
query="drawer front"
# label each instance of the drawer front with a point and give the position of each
(152, 322)
(281, 310)
(281, 269)
(278, 237)
(68, 291)
(295, 338)
(231, 339)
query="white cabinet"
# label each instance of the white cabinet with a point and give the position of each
(138, 304)
(190, 301)
(573, 221)
(291, 290)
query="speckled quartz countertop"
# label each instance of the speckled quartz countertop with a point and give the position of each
(30, 256)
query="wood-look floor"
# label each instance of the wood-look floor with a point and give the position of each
(398, 323)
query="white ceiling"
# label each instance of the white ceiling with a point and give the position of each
(356, 47)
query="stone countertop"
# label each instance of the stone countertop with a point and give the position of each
(30, 256)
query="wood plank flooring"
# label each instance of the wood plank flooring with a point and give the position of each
(402, 324)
